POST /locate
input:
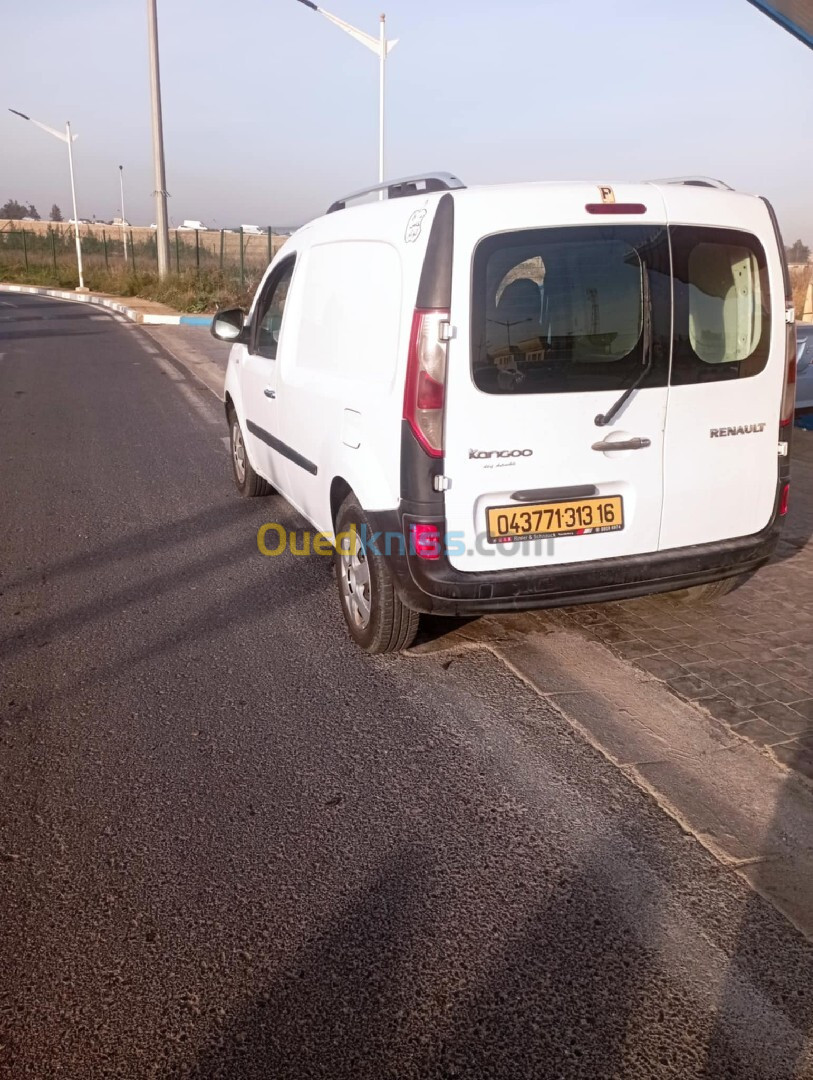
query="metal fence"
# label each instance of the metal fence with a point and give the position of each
(238, 254)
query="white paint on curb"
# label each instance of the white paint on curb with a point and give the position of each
(112, 305)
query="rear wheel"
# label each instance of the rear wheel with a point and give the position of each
(377, 619)
(248, 482)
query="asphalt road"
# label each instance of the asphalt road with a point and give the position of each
(233, 846)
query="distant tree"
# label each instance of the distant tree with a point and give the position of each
(33, 212)
(56, 213)
(13, 210)
(798, 252)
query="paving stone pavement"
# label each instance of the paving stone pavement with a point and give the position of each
(747, 658)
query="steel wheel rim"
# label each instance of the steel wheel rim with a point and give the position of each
(238, 452)
(355, 580)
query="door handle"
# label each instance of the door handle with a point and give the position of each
(270, 393)
(622, 444)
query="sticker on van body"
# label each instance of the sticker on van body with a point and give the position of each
(413, 229)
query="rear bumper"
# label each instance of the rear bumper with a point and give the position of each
(435, 586)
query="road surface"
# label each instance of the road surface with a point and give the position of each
(233, 846)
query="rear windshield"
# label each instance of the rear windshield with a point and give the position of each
(560, 310)
(563, 310)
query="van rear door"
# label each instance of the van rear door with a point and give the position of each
(722, 426)
(563, 320)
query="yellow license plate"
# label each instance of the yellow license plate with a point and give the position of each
(581, 517)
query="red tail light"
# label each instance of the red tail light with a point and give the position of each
(425, 540)
(424, 391)
(783, 500)
(789, 391)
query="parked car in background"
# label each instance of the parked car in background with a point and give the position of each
(190, 225)
(253, 230)
(804, 367)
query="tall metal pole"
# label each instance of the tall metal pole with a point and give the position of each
(75, 213)
(161, 233)
(382, 62)
(381, 47)
(123, 219)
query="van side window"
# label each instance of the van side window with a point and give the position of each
(561, 310)
(722, 305)
(270, 310)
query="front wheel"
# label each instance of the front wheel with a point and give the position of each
(378, 621)
(248, 483)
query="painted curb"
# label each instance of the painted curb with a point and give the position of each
(112, 305)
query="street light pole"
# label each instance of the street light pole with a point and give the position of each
(123, 219)
(69, 141)
(382, 48)
(382, 59)
(162, 233)
(68, 138)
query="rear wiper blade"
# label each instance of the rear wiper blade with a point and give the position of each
(606, 418)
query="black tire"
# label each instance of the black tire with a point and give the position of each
(698, 595)
(391, 626)
(248, 483)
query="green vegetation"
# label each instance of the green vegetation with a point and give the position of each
(16, 211)
(188, 291)
(206, 273)
(797, 252)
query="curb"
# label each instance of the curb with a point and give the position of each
(113, 305)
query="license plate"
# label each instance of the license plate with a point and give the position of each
(580, 517)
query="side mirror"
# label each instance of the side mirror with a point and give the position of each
(229, 325)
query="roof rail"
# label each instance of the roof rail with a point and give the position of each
(407, 185)
(695, 181)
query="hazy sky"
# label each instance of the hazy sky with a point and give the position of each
(271, 112)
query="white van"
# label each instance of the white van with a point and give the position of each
(521, 396)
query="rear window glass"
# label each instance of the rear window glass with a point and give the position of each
(722, 305)
(562, 310)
